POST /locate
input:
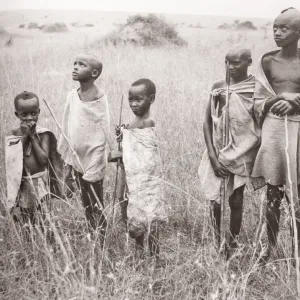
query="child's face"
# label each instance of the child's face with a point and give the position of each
(28, 110)
(82, 69)
(139, 101)
(238, 66)
(284, 31)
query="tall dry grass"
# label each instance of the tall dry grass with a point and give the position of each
(80, 268)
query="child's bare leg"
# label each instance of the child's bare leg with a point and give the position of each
(274, 197)
(27, 220)
(215, 214)
(297, 215)
(93, 212)
(236, 206)
(153, 241)
(139, 236)
(121, 188)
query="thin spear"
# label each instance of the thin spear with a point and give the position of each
(225, 143)
(119, 160)
(292, 208)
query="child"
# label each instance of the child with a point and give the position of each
(276, 103)
(142, 163)
(235, 161)
(85, 124)
(31, 161)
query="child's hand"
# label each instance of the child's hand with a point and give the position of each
(219, 169)
(119, 132)
(291, 97)
(25, 128)
(282, 107)
(32, 127)
(28, 128)
(114, 156)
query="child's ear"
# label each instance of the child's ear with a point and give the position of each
(16, 113)
(95, 73)
(152, 98)
(249, 61)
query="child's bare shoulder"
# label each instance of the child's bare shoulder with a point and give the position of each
(99, 93)
(218, 84)
(15, 131)
(149, 123)
(266, 61)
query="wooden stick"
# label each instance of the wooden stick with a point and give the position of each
(73, 152)
(224, 180)
(295, 229)
(119, 160)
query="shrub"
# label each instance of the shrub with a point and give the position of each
(247, 25)
(55, 27)
(33, 25)
(147, 30)
(22, 26)
(89, 25)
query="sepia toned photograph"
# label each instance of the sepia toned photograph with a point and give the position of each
(149, 150)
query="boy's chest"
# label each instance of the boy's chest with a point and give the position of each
(285, 75)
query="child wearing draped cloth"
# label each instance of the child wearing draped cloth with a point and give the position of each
(276, 103)
(235, 161)
(85, 124)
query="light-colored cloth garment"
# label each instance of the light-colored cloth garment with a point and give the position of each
(86, 126)
(143, 168)
(244, 139)
(34, 189)
(271, 160)
(14, 167)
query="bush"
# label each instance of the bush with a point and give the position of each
(247, 25)
(33, 25)
(55, 27)
(22, 26)
(89, 25)
(148, 30)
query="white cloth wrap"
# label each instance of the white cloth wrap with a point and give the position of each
(86, 126)
(143, 167)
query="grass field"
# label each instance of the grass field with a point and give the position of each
(81, 269)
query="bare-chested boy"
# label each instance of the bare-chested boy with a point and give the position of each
(29, 151)
(142, 163)
(85, 124)
(235, 161)
(277, 99)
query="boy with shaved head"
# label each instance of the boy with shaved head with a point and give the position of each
(235, 161)
(85, 124)
(276, 102)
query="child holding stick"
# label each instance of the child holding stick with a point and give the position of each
(145, 209)
(234, 161)
(276, 103)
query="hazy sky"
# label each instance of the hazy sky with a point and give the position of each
(250, 8)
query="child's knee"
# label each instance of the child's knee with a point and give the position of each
(274, 195)
(135, 232)
(236, 199)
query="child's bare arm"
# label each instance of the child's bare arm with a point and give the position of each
(41, 147)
